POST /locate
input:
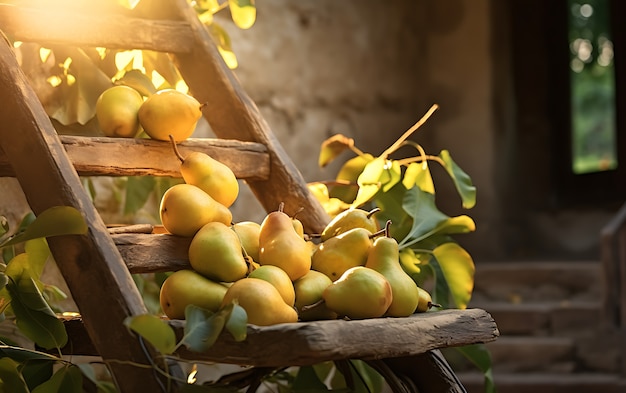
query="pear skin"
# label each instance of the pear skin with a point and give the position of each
(116, 111)
(309, 289)
(185, 208)
(384, 257)
(278, 278)
(339, 253)
(348, 219)
(169, 112)
(185, 287)
(262, 302)
(280, 245)
(359, 293)
(425, 300)
(248, 232)
(215, 252)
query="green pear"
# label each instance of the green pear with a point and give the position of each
(309, 289)
(261, 300)
(209, 174)
(185, 208)
(248, 232)
(280, 245)
(185, 287)
(339, 253)
(348, 219)
(359, 293)
(215, 252)
(278, 278)
(425, 301)
(169, 112)
(384, 257)
(116, 111)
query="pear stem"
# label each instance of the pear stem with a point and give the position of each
(311, 306)
(378, 233)
(387, 225)
(180, 157)
(300, 210)
(372, 212)
(281, 207)
(410, 131)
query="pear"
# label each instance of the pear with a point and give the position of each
(248, 232)
(185, 287)
(348, 219)
(212, 176)
(359, 293)
(261, 300)
(116, 111)
(280, 245)
(169, 112)
(425, 301)
(185, 208)
(308, 290)
(215, 252)
(337, 254)
(278, 278)
(384, 257)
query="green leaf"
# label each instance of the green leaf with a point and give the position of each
(307, 381)
(154, 330)
(54, 221)
(369, 181)
(138, 81)
(12, 380)
(202, 328)
(38, 253)
(332, 148)
(20, 354)
(392, 175)
(138, 190)
(4, 226)
(89, 372)
(237, 323)
(243, 13)
(461, 180)
(441, 290)
(420, 206)
(458, 269)
(222, 40)
(67, 379)
(33, 315)
(418, 174)
(36, 372)
(479, 355)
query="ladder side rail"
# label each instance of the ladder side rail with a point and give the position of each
(92, 267)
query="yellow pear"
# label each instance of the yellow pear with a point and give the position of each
(425, 301)
(185, 287)
(185, 208)
(359, 293)
(212, 176)
(248, 232)
(116, 111)
(262, 302)
(169, 112)
(384, 257)
(339, 253)
(215, 252)
(348, 219)
(278, 278)
(308, 290)
(280, 245)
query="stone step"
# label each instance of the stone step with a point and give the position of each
(545, 383)
(543, 318)
(523, 282)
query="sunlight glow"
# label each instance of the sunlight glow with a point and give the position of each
(586, 10)
(44, 54)
(157, 79)
(54, 80)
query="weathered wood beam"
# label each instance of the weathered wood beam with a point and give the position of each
(153, 253)
(95, 156)
(93, 269)
(94, 28)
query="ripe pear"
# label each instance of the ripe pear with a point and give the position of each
(278, 278)
(359, 293)
(339, 253)
(185, 287)
(212, 176)
(248, 232)
(348, 219)
(425, 301)
(262, 302)
(116, 111)
(185, 208)
(169, 112)
(280, 245)
(308, 290)
(215, 252)
(384, 257)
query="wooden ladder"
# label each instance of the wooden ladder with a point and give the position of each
(98, 266)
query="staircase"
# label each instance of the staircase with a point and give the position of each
(554, 337)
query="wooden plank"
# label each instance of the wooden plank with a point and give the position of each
(153, 253)
(96, 156)
(305, 343)
(233, 114)
(93, 28)
(92, 267)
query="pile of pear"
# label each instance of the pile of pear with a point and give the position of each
(273, 270)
